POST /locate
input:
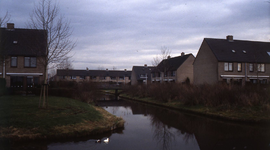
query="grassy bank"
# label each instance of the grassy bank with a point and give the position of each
(249, 104)
(22, 119)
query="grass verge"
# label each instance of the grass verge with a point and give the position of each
(252, 114)
(21, 119)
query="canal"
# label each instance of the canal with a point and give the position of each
(154, 128)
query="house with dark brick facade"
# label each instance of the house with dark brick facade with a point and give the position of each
(232, 61)
(23, 54)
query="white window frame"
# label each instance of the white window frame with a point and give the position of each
(251, 67)
(261, 67)
(228, 66)
(73, 77)
(239, 67)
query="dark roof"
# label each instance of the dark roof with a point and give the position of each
(101, 73)
(23, 42)
(171, 64)
(142, 70)
(239, 50)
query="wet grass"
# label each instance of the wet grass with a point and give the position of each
(21, 118)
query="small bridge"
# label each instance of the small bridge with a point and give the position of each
(115, 87)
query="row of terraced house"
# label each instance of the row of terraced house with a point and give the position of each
(218, 60)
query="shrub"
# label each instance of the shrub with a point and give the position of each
(220, 95)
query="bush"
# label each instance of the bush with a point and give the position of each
(219, 95)
(86, 91)
(83, 91)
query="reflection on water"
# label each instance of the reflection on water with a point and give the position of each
(149, 127)
(174, 130)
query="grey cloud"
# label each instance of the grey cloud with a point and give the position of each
(125, 33)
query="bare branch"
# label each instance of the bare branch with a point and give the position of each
(65, 64)
(164, 54)
(46, 16)
(4, 20)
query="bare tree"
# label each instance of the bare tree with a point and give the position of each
(46, 16)
(3, 44)
(164, 54)
(5, 19)
(65, 64)
(160, 62)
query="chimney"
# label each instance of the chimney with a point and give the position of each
(182, 54)
(125, 70)
(145, 65)
(87, 69)
(229, 38)
(169, 57)
(10, 26)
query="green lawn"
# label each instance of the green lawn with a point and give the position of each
(21, 117)
(23, 112)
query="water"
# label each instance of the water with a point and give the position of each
(153, 128)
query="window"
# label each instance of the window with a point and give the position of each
(173, 73)
(61, 77)
(260, 67)
(82, 77)
(239, 67)
(30, 81)
(72, 77)
(251, 66)
(121, 78)
(30, 62)
(228, 66)
(16, 82)
(13, 62)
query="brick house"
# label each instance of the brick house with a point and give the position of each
(106, 76)
(23, 51)
(176, 69)
(141, 74)
(232, 60)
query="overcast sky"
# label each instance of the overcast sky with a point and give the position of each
(126, 33)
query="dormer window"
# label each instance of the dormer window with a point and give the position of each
(15, 42)
(268, 53)
(244, 52)
(233, 51)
